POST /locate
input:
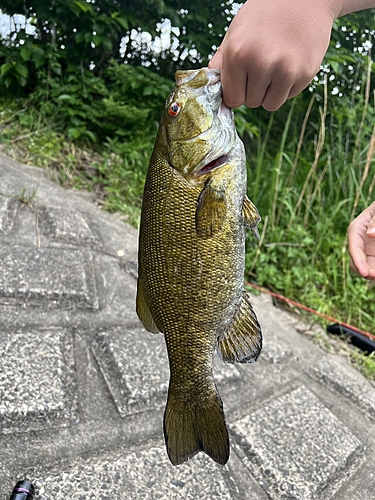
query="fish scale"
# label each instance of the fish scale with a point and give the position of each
(191, 260)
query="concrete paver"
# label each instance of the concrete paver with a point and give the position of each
(347, 382)
(144, 474)
(37, 380)
(36, 277)
(296, 445)
(83, 386)
(137, 373)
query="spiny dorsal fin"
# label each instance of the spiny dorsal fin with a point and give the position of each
(251, 215)
(211, 212)
(242, 342)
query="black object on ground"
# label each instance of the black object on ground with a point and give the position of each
(358, 339)
(23, 490)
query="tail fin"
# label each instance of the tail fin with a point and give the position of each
(191, 427)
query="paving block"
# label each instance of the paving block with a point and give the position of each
(8, 212)
(294, 445)
(47, 277)
(37, 381)
(145, 475)
(116, 290)
(65, 225)
(5, 481)
(135, 366)
(274, 350)
(347, 382)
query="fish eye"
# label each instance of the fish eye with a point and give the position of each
(174, 109)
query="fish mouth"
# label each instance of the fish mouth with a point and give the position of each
(213, 165)
(197, 77)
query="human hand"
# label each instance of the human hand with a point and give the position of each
(272, 50)
(361, 236)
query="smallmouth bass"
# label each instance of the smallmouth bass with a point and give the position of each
(191, 259)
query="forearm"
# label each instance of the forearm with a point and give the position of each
(343, 7)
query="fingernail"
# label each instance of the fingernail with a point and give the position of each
(371, 230)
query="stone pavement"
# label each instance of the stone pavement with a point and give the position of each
(83, 386)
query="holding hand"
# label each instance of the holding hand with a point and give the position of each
(361, 235)
(272, 50)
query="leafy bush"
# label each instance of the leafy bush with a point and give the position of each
(122, 103)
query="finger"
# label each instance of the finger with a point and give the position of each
(358, 264)
(366, 272)
(242, 86)
(233, 82)
(353, 266)
(286, 85)
(217, 60)
(256, 91)
(243, 83)
(275, 96)
(234, 85)
(297, 89)
(356, 251)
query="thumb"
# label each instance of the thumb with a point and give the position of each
(217, 61)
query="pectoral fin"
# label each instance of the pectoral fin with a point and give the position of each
(251, 215)
(143, 311)
(211, 212)
(242, 342)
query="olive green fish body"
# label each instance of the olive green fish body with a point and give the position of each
(191, 262)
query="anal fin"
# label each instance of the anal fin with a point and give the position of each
(242, 342)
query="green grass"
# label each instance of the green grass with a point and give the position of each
(114, 170)
(308, 188)
(308, 175)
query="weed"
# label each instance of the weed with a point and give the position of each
(27, 195)
(365, 364)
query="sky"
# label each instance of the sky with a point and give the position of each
(162, 42)
(8, 24)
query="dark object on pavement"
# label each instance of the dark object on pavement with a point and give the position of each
(23, 490)
(357, 338)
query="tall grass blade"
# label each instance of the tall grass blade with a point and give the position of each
(318, 152)
(300, 141)
(275, 189)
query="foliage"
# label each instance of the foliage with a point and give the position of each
(352, 38)
(308, 186)
(72, 36)
(70, 104)
(114, 172)
(125, 101)
(68, 32)
(365, 364)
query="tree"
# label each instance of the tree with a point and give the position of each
(74, 35)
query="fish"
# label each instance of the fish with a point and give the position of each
(191, 259)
